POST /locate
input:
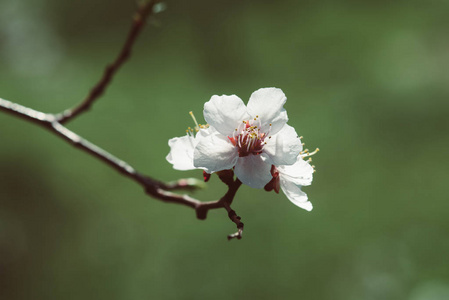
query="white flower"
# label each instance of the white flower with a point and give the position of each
(249, 139)
(290, 179)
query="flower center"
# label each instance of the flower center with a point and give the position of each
(248, 138)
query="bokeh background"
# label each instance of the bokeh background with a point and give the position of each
(366, 81)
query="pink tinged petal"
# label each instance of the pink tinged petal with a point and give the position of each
(267, 103)
(225, 113)
(215, 152)
(295, 195)
(300, 173)
(181, 153)
(253, 171)
(283, 148)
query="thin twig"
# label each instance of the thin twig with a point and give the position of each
(231, 213)
(144, 11)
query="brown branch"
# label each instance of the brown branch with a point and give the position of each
(231, 213)
(159, 190)
(236, 219)
(153, 187)
(141, 16)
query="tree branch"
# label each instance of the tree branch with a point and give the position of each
(144, 11)
(154, 188)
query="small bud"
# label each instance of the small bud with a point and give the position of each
(206, 176)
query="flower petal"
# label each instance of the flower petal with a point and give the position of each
(267, 103)
(181, 152)
(253, 171)
(214, 152)
(294, 194)
(225, 113)
(204, 132)
(300, 173)
(283, 148)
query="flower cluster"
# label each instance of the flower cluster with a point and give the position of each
(254, 141)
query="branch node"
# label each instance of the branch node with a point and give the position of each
(201, 212)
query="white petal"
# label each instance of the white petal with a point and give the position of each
(214, 152)
(283, 148)
(181, 153)
(203, 133)
(300, 173)
(253, 171)
(225, 113)
(267, 103)
(295, 195)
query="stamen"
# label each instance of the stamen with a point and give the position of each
(197, 127)
(249, 144)
(314, 152)
(306, 153)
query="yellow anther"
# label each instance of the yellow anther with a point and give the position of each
(301, 137)
(257, 116)
(270, 124)
(255, 119)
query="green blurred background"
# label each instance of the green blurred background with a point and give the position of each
(366, 81)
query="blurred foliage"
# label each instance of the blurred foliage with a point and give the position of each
(366, 82)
